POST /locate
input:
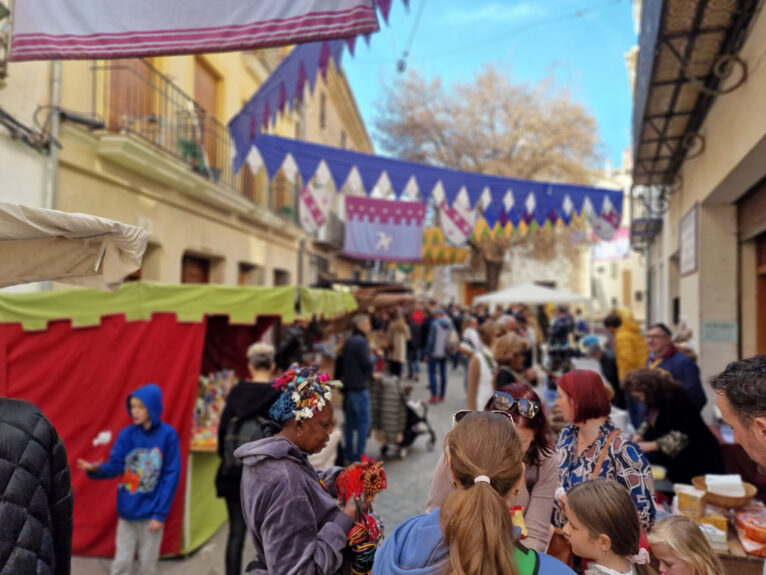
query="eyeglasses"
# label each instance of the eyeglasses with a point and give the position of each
(527, 408)
(460, 415)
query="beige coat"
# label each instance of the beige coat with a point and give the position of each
(398, 336)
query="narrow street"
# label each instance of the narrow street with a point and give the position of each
(409, 481)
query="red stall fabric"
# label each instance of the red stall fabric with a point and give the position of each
(80, 378)
(226, 344)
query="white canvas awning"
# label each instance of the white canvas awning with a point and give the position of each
(529, 294)
(77, 249)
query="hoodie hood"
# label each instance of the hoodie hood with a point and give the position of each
(255, 452)
(415, 547)
(444, 322)
(151, 396)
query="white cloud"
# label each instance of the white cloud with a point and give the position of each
(493, 12)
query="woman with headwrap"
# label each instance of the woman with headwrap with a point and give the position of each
(291, 509)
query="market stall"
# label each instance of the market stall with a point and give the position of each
(77, 354)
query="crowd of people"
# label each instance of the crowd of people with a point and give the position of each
(538, 434)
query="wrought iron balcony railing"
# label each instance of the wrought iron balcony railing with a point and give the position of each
(132, 96)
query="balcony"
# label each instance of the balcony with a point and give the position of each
(330, 235)
(648, 205)
(144, 113)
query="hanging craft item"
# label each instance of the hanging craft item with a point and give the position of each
(605, 222)
(457, 221)
(383, 230)
(314, 207)
(364, 482)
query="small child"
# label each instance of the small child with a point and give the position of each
(602, 526)
(147, 456)
(682, 549)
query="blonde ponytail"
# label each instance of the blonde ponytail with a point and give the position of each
(475, 520)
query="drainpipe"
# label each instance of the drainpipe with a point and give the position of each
(301, 256)
(50, 185)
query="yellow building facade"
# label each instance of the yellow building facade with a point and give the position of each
(145, 142)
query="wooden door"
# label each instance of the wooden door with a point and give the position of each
(206, 96)
(130, 95)
(195, 270)
(472, 291)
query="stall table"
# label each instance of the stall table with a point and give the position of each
(736, 561)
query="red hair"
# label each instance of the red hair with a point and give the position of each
(588, 392)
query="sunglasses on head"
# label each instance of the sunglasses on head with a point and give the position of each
(527, 408)
(460, 415)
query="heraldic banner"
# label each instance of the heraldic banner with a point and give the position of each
(383, 229)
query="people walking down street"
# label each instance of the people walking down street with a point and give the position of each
(414, 348)
(536, 493)
(398, 337)
(481, 369)
(147, 456)
(580, 325)
(436, 353)
(294, 345)
(629, 347)
(358, 366)
(244, 418)
(35, 496)
(603, 527)
(290, 509)
(562, 327)
(590, 445)
(509, 355)
(741, 396)
(673, 433)
(608, 364)
(472, 533)
(667, 357)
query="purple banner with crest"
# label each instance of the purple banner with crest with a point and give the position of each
(383, 229)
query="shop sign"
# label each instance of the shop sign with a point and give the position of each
(720, 332)
(688, 236)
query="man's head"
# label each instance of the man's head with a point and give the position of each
(361, 322)
(658, 338)
(741, 397)
(592, 347)
(612, 322)
(260, 357)
(438, 312)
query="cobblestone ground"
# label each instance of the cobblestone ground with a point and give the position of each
(409, 480)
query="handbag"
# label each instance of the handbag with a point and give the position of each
(559, 546)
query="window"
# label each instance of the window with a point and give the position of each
(195, 270)
(250, 275)
(342, 140)
(323, 112)
(281, 277)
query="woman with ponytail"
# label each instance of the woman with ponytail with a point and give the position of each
(472, 533)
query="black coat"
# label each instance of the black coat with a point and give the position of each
(246, 399)
(35, 494)
(702, 453)
(357, 363)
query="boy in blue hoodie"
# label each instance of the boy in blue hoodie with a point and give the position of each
(147, 457)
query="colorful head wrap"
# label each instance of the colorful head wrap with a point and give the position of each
(304, 392)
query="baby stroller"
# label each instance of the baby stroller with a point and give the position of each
(400, 420)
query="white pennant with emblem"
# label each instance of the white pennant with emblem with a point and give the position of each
(457, 221)
(314, 206)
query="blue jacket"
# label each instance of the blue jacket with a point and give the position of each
(417, 547)
(685, 372)
(438, 334)
(148, 461)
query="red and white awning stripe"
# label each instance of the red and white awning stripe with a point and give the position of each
(86, 29)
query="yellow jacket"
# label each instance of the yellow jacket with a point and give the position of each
(630, 347)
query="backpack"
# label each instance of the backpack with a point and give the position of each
(453, 342)
(238, 432)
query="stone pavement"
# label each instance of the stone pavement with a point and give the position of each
(409, 481)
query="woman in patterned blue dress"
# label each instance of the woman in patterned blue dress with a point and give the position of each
(591, 446)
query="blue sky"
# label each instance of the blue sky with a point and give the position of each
(529, 38)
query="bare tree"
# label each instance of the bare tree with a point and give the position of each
(492, 126)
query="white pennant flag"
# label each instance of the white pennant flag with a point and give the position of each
(314, 206)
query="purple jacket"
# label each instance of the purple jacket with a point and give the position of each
(295, 524)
